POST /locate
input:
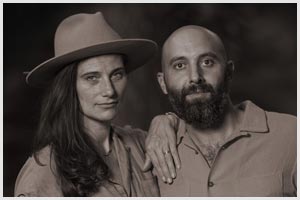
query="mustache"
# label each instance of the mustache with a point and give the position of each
(194, 88)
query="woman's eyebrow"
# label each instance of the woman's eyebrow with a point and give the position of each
(117, 69)
(90, 73)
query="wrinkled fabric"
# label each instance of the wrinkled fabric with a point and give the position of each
(259, 159)
(36, 180)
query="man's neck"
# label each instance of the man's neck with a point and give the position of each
(217, 135)
(209, 141)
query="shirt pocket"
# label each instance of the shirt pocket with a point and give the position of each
(269, 185)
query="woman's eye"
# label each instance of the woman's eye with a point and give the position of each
(91, 78)
(118, 76)
(179, 65)
(207, 62)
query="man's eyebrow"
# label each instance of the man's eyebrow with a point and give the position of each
(176, 58)
(209, 54)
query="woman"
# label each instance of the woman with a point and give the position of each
(77, 151)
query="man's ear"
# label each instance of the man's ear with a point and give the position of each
(161, 81)
(229, 69)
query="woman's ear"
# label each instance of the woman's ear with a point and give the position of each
(161, 81)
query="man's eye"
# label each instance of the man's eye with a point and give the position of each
(207, 62)
(179, 65)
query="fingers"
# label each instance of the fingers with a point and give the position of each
(170, 132)
(163, 165)
(157, 167)
(162, 162)
(161, 139)
(147, 164)
(175, 155)
(170, 164)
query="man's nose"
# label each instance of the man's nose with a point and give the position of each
(108, 88)
(196, 74)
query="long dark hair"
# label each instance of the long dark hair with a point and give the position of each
(80, 169)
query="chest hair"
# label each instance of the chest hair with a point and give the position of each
(209, 151)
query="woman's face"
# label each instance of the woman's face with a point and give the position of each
(100, 84)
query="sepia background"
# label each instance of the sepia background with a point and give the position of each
(260, 38)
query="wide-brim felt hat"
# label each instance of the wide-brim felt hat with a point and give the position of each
(84, 35)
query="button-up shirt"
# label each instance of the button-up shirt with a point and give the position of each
(259, 159)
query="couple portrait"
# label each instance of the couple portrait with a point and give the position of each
(150, 100)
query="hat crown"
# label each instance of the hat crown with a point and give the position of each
(84, 35)
(82, 30)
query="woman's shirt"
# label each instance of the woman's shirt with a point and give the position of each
(127, 179)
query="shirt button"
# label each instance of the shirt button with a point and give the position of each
(210, 184)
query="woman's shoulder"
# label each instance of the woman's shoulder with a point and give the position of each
(128, 132)
(37, 176)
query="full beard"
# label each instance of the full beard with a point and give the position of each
(202, 114)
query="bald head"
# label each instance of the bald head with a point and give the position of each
(196, 75)
(192, 40)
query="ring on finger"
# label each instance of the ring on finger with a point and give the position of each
(166, 152)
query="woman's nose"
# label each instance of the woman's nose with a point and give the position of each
(108, 89)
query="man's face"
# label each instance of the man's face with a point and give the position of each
(194, 77)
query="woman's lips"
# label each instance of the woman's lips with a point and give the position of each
(108, 104)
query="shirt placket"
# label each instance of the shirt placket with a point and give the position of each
(122, 154)
(192, 145)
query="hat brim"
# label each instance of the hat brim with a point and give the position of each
(137, 52)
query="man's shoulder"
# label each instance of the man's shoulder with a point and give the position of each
(268, 121)
(282, 130)
(282, 122)
(287, 118)
(279, 129)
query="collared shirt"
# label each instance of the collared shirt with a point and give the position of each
(259, 159)
(128, 146)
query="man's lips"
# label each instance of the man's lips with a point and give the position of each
(197, 95)
(198, 90)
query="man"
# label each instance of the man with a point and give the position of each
(225, 150)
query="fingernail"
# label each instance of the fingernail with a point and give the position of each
(173, 175)
(164, 179)
(169, 180)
